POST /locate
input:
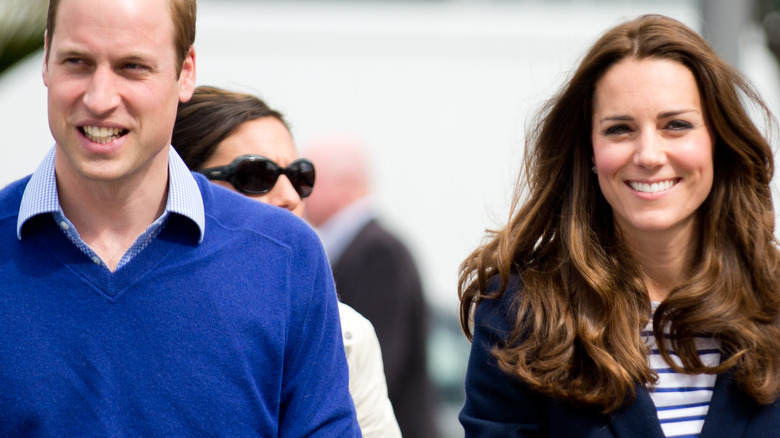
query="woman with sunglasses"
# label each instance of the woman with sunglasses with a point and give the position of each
(238, 142)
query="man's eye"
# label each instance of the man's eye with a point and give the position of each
(134, 68)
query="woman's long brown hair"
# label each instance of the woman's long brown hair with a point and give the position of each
(577, 321)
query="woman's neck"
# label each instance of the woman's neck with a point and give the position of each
(665, 259)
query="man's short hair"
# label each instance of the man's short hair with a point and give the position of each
(183, 14)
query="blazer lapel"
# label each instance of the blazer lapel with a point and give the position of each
(639, 420)
(730, 410)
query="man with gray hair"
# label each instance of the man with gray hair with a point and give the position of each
(375, 274)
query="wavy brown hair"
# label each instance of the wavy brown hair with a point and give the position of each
(577, 322)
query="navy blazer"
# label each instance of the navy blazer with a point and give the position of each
(498, 405)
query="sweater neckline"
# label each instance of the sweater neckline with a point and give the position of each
(111, 285)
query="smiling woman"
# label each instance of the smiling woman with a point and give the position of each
(652, 151)
(627, 293)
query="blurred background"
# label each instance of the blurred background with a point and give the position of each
(439, 92)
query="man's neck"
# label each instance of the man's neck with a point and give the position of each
(110, 216)
(339, 230)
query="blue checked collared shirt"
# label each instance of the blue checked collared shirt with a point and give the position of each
(184, 198)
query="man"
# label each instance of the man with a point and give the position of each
(375, 274)
(138, 299)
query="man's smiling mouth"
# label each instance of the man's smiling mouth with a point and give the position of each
(102, 135)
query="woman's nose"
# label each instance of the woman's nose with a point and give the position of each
(649, 150)
(283, 194)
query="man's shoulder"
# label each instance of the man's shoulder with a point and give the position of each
(375, 229)
(374, 236)
(229, 210)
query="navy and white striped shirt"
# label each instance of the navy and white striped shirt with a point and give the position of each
(682, 400)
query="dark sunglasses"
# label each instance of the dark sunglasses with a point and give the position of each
(255, 174)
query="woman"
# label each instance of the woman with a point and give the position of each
(237, 141)
(635, 290)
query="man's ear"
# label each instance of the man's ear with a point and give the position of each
(45, 67)
(187, 76)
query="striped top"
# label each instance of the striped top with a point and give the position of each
(682, 400)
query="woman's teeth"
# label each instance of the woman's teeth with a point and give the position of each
(652, 188)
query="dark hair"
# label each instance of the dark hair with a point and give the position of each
(578, 319)
(210, 116)
(183, 14)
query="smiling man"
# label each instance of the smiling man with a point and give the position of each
(133, 302)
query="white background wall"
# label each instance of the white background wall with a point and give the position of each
(439, 92)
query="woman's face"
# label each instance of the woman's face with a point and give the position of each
(266, 136)
(651, 146)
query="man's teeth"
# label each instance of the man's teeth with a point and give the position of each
(652, 188)
(101, 134)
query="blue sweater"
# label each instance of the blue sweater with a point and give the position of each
(236, 336)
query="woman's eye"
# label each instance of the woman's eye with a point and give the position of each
(617, 130)
(679, 125)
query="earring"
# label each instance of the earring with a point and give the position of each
(596, 171)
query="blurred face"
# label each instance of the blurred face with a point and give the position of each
(328, 196)
(342, 176)
(651, 146)
(266, 136)
(113, 89)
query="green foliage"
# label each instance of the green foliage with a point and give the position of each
(767, 15)
(22, 23)
(765, 6)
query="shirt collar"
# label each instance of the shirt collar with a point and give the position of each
(341, 228)
(184, 197)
